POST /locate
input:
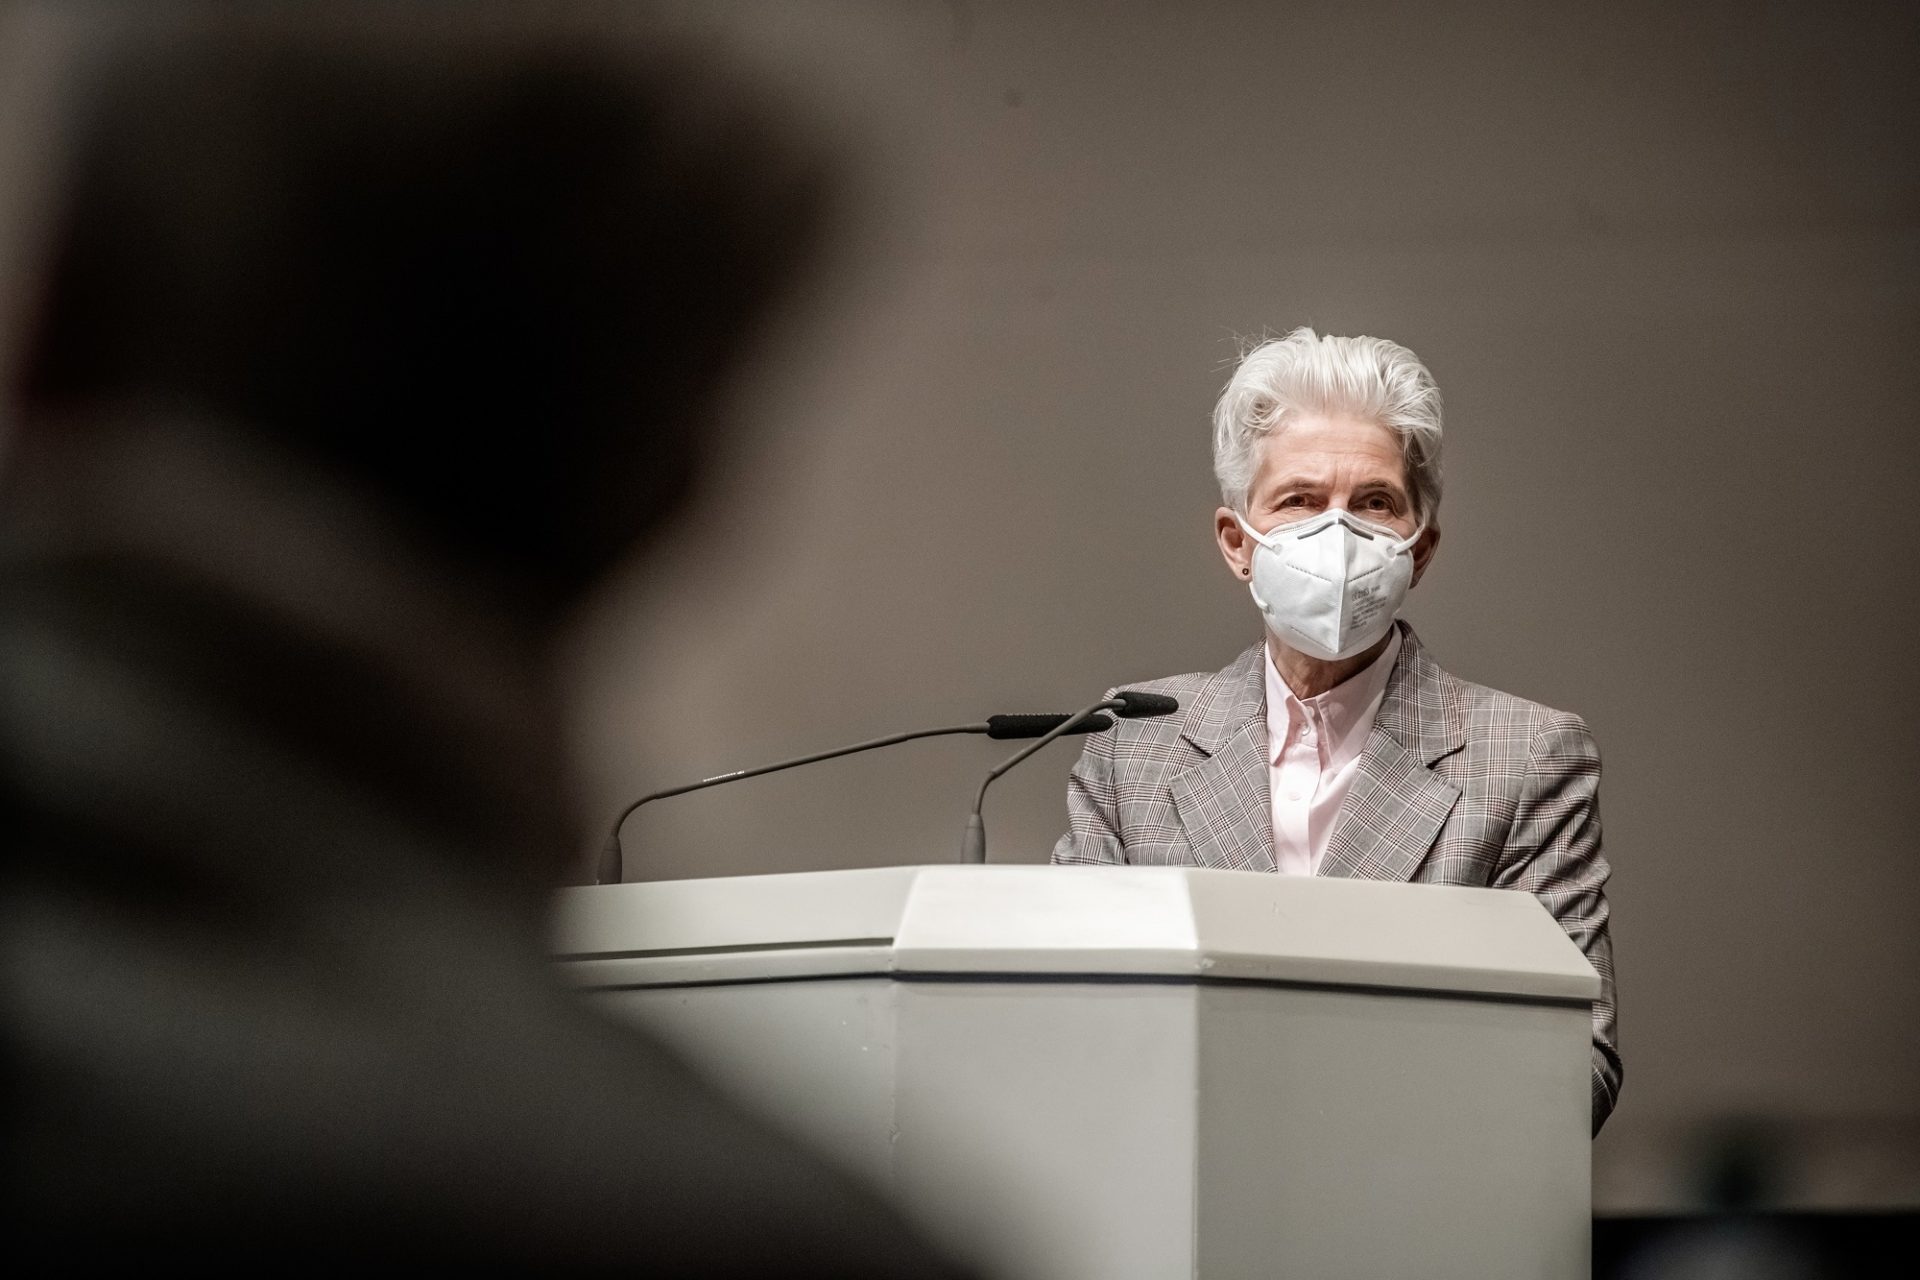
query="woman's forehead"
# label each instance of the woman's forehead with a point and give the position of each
(1331, 450)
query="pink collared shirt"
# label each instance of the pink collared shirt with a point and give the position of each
(1313, 749)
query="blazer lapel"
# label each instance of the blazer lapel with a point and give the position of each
(1395, 808)
(1223, 801)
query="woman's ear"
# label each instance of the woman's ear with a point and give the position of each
(1423, 552)
(1236, 548)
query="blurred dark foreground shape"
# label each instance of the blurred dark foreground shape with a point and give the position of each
(364, 351)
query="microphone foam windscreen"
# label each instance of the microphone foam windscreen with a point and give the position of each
(1146, 704)
(1035, 726)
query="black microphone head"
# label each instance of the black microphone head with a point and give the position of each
(1137, 704)
(1036, 726)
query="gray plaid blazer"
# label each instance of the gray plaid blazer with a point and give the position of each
(1458, 784)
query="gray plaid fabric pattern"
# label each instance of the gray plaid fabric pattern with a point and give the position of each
(1458, 784)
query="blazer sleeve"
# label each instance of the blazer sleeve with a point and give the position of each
(1093, 819)
(1553, 852)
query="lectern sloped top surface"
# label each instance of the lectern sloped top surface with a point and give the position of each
(1060, 922)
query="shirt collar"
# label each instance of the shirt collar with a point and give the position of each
(1342, 714)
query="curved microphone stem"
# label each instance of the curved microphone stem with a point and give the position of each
(973, 845)
(612, 870)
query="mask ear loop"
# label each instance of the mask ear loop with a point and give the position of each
(1250, 531)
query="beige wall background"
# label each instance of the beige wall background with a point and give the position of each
(1664, 261)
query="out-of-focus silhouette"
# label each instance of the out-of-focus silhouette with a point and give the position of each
(365, 349)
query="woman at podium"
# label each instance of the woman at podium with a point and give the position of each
(1336, 745)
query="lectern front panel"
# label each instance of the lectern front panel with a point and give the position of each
(1145, 1073)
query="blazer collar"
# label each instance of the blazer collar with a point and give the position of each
(1396, 804)
(1418, 710)
(1228, 699)
(1395, 807)
(1222, 801)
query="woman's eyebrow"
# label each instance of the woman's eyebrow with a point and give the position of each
(1285, 483)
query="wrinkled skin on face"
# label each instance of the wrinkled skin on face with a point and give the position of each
(1310, 464)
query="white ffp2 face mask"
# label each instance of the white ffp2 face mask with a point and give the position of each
(1330, 586)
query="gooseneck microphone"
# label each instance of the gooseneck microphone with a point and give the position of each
(611, 869)
(1129, 704)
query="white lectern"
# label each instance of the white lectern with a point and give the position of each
(1108, 1073)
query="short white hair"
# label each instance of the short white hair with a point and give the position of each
(1308, 373)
